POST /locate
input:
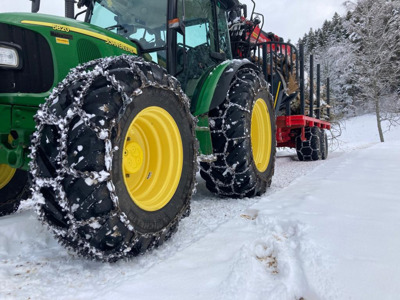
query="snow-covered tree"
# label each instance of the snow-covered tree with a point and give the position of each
(337, 63)
(311, 42)
(332, 53)
(360, 53)
(374, 29)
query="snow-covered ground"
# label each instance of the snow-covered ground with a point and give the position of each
(324, 230)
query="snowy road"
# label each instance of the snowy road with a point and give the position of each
(325, 230)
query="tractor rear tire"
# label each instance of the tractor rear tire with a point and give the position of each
(114, 158)
(309, 150)
(243, 139)
(324, 147)
(14, 187)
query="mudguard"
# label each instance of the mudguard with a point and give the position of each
(216, 85)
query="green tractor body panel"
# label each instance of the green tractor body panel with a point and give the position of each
(19, 120)
(203, 101)
(67, 43)
(212, 92)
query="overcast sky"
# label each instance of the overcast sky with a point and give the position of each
(290, 19)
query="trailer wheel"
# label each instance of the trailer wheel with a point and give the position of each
(243, 138)
(323, 137)
(13, 188)
(114, 158)
(309, 149)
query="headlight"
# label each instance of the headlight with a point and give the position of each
(9, 57)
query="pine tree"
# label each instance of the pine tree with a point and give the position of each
(326, 31)
(311, 41)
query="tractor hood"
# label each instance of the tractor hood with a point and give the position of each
(62, 28)
(47, 47)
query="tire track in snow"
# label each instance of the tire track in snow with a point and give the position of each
(44, 264)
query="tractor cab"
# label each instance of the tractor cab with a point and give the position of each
(143, 22)
(187, 37)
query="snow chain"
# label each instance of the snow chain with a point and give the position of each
(88, 73)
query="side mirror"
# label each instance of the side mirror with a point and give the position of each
(35, 6)
(84, 3)
(244, 7)
(177, 25)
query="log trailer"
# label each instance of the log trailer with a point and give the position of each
(294, 127)
(112, 116)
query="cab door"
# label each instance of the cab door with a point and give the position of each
(205, 43)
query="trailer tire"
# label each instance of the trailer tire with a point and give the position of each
(243, 139)
(114, 158)
(14, 187)
(323, 137)
(309, 150)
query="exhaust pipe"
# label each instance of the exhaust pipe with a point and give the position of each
(35, 6)
(70, 9)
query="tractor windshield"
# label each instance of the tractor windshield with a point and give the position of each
(143, 21)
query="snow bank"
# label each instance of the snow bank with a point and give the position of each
(22, 232)
(351, 207)
(362, 132)
(325, 230)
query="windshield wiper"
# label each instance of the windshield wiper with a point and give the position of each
(117, 26)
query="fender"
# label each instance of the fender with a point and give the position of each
(216, 85)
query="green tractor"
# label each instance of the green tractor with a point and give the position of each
(124, 102)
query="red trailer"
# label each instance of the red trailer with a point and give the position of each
(283, 67)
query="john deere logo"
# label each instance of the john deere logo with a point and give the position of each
(120, 45)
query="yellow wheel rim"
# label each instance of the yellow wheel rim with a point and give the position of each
(152, 158)
(6, 174)
(261, 135)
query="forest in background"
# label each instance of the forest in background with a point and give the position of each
(360, 53)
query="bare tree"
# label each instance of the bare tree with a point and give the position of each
(375, 32)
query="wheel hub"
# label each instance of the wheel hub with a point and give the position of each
(152, 158)
(261, 135)
(133, 158)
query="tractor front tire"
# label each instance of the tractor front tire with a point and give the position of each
(114, 158)
(309, 150)
(14, 187)
(243, 139)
